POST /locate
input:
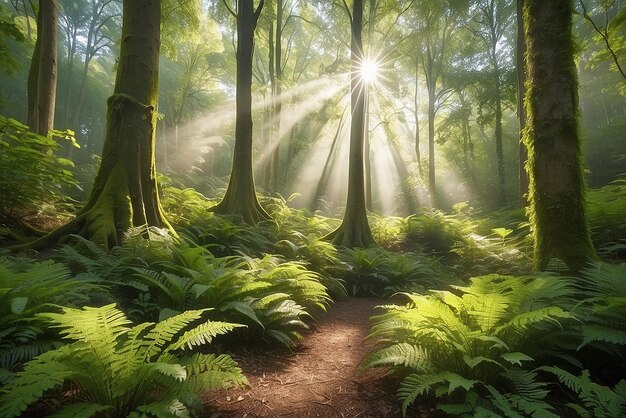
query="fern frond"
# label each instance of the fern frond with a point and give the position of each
(164, 331)
(401, 354)
(210, 372)
(203, 334)
(43, 373)
(591, 333)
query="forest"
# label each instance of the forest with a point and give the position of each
(312, 208)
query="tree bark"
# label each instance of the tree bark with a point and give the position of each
(432, 188)
(125, 192)
(521, 112)
(240, 198)
(42, 78)
(556, 176)
(354, 230)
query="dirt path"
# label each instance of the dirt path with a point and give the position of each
(319, 379)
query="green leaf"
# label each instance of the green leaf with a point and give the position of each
(516, 358)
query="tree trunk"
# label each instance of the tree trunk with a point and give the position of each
(367, 152)
(42, 78)
(278, 90)
(354, 230)
(418, 154)
(498, 135)
(431, 147)
(125, 190)
(328, 166)
(240, 198)
(556, 177)
(521, 113)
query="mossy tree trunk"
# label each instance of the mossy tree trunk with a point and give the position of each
(355, 231)
(42, 75)
(125, 190)
(556, 176)
(240, 198)
(521, 112)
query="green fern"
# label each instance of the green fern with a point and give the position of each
(477, 336)
(597, 400)
(28, 288)
(122, 370)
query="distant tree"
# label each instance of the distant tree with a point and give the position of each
(436, 21)
(90, 22)
(42, 76)
(125, 190)
(492, 19)
(556, 176)
(354, 230)
(240, 198)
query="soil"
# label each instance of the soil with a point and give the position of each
(320, 378)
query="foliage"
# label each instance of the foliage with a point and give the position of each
(31, 176)
(157, 278)
(26, 289)
(475, 340)
(597, 400)
(375, 271)
(119, 370)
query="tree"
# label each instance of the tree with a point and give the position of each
(611, 33)
(42, 76)
(521, 113)
(100, 14)
(125, 190)
(354, 230)
(436, 23)
(556, 176)
(240, 198)
(493, 18)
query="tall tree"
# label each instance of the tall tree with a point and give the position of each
(354, 230)
(42, 76)
(125, 190)
(240, 198)
(101, 13)
(437, 21)
(493, 18)
(556, 176)
(521, 112)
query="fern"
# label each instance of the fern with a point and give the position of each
(598, 400)
(123, 370)
(476, 336)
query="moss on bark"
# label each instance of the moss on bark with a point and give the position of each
(125, 190)
(240, 199)
(556, 194)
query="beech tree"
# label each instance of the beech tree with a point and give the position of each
(42, 76)
(354, 230)
(240, 198)
(125, 189)
(556, 176)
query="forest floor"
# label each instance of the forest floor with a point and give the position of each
(320, 378)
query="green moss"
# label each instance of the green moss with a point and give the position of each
(556, 194)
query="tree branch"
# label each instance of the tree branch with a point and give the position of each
(230, 10)
(605, 38)
(257, 12)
